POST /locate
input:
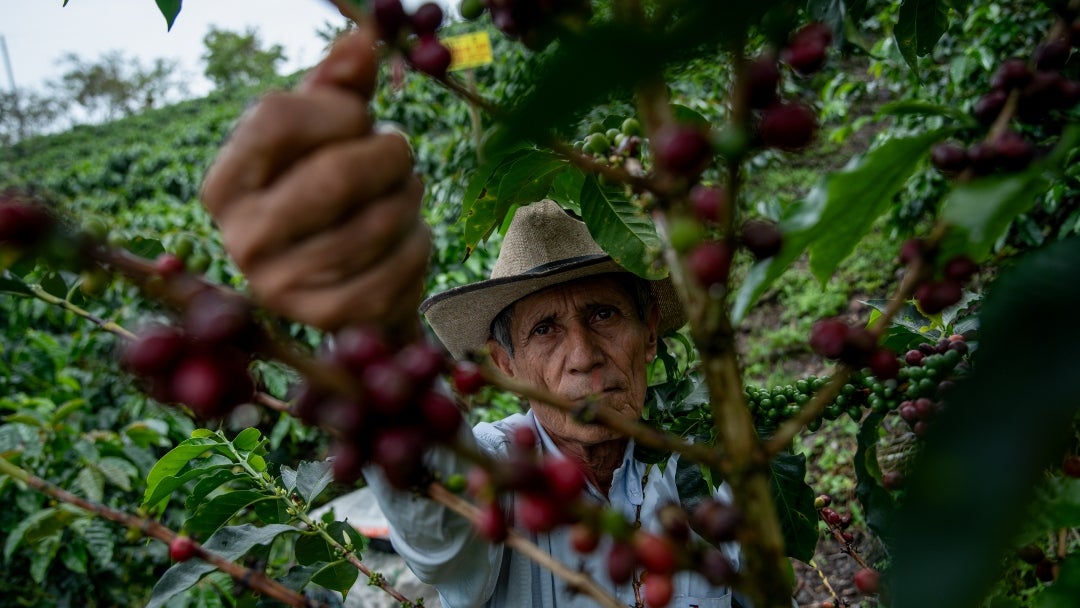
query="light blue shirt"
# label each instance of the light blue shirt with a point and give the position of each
(443, 550)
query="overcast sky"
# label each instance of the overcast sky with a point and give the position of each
(38, 32)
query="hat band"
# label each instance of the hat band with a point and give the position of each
(542, 268)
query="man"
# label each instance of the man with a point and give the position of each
(322, 214)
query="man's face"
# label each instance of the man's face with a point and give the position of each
(580, 339)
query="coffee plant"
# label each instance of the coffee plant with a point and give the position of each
(659, 123)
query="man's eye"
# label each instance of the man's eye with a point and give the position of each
(605, 313)
(541, 330)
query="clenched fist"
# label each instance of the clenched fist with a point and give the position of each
(317, 208)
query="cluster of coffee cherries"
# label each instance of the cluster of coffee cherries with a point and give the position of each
(854, 346)
(787, 125)
(397, 411)
(946, 286)
(1041, 90)
(928, 374)
(867, 580)
(546, 493)
(1045, 567)
(202, 361)
(615, 146)
(414, 34)
(533, 22)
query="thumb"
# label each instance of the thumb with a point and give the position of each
(352, 64)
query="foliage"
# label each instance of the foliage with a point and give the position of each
(234, 59)
(116, 86)
(24, 113)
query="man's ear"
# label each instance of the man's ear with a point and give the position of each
(500, 357)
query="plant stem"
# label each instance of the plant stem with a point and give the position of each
(109, 326)
(255, 579)
(574, 578)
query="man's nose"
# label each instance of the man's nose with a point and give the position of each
(583, 352)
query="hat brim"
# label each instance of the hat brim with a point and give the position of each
(461, 317)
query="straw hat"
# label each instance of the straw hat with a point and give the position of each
(543, 246)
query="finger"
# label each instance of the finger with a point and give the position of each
(282, 128)
(388, 294)
(352, 64)
(336, 255)
(330, 184)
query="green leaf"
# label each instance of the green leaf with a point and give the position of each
(876, 501)
(794, 505)
(216, 512)
(919, 26)
(919, 107)
(175, 460)
(210, 479)
(73, 556)
(981, 211)
(838, 213)
(1002, 426)
(480, 205)
(312, 548)
(232, 543)
(288, 478)
(164, 488)
(522, 177)
(100, 540)
(169, 9)
(337, 576)
(247, 440)
(92, 483)
(66, 409)
(145, 433)
(621, 229)
(144, 247)
(117, 471)
(13, 286)
(35, 527)
(312, 478)
(1058, 506)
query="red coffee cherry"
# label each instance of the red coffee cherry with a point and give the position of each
(859, 345)
(537, 513)
(716, 521)
(213, 317)
(868, 581)
(715, 567)
(674, 521)
(935, 296)
(584, 538)
(387, 386)
(788, 126)
(427, 18)
(358, 347)
(914, 357)
(960, 269)
(708, 202)
(710, 262)
(1071, 466)
(491, 523)
(949, 158)
(211, 384)
(1031, 554)
(988, 106)
(154, 351)
(421, 361)
(805, 50)
(23, 225)
(468, 378)
(884, 364)
(168, 265)
(655, 553)
(441, 416)
(659, 589)
(349, 461)
(1013, 151)
(182, 548)
(762, 79)
(681, 149)
(827, 337)
(564, 479)
(892, 480)
(399, 451)
(1044, 571)
(1013, 73)
(1051, 55)
(911, 250)
(389, 16)
(431, 57)
(621, 562)
(761, 238)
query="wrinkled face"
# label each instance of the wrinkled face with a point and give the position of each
(578, 339)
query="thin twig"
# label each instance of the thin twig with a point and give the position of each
(255, 579)
(109, 326)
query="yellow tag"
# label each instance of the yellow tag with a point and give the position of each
(468, 50)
